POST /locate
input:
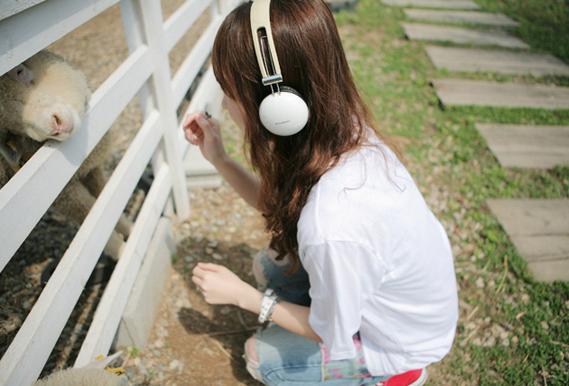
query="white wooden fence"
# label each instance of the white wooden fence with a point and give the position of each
(25, 30)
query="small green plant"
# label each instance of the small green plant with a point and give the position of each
(133, 351)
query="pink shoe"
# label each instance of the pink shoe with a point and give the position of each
(408, 378)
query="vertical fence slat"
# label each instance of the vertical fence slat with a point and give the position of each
(151, 16)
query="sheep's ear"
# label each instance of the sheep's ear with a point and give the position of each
(22, 73)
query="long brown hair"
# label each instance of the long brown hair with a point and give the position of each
(313, 62)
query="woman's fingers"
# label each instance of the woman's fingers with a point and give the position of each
(189, 119)
(198, 280)
(196, 127)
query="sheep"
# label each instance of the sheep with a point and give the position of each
(83, 377)
(95, 373)
(43, 99)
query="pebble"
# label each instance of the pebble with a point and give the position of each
(175, 364)
(480, 283)
(525, 298)
(209, 251)
(491, 341)
(217, 256)
(225, 310)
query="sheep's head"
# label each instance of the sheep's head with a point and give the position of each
(43, 98)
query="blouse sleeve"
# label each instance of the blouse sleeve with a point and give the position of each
(338, 272)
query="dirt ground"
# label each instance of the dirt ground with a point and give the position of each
(192, 342)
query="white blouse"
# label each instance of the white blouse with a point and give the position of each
(379, 262)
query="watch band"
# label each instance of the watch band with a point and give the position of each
(268, 302)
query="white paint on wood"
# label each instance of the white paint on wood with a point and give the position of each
(151, 15)
(182, 20)
(539, 229)
(468, 17)
(448, 4)
(429, 32)
(191, 66)
(523, 146)
(52, 166)
(112, 304)
(26, 33)
(34, 341)
(460, 92)
(12, 7)
(146, 294)
(498, 61)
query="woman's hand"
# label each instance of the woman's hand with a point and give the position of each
(218, 284)
(206, 134)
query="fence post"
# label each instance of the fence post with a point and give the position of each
(153, 28)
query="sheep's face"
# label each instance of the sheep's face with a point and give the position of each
(45, 118)
(48, 98)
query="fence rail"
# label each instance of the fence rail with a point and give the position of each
(146, 73)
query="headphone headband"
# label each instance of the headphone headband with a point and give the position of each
(261, 19)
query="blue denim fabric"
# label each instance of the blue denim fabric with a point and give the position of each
(288, 359)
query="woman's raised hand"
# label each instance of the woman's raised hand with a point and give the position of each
(205, 133)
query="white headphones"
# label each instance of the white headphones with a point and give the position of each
(283, 112)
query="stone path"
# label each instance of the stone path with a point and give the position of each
(449, 4)
(468, 17)
(459, 92)
(539, 229)
(429, 32)
(499, 61)
(520, 146)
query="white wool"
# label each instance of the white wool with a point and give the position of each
(82, 377)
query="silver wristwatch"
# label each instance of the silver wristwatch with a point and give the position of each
(270, 298)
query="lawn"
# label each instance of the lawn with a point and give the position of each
(512, 329)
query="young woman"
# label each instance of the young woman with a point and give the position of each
(362, 268)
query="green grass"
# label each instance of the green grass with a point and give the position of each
(544, 24)
(393, 75)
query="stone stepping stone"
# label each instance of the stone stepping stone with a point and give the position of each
(469, 17)
(539, 229)
(448, 4)
(536, 147)
(460, 92)
(500, 61)
(416, 31)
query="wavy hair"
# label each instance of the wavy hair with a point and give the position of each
(313, 62)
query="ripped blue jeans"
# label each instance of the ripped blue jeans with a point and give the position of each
(288, 359)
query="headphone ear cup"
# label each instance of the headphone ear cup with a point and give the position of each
(284, 113)
(290, 89)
